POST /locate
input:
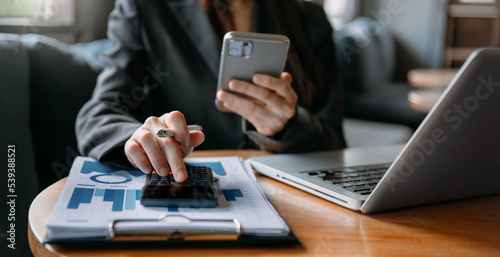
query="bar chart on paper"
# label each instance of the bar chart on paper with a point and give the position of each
(115, 193)
(120, 198)
(104, 190)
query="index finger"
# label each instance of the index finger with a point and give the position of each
(282, 85)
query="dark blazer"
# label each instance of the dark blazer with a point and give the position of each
(166, 57)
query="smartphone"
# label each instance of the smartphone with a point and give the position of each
(245, 54)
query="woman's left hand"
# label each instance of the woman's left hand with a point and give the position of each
(275, 105)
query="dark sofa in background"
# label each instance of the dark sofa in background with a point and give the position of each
(55, 80)
(367, 60)
(43, 84)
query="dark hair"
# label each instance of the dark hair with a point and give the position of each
(284, 17)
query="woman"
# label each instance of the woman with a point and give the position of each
(162, 73)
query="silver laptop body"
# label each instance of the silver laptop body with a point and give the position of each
(454, 154)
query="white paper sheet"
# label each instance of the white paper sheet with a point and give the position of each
(96, 194)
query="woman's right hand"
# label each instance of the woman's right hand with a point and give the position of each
(144, 148)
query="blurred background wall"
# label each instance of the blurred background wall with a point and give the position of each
(418, 28)
(70, 21)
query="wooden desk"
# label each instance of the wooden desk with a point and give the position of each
(463, 228)
(431, 78)
(423, 100)
(431, 84)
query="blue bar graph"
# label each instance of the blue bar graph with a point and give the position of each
(122, 199)
(99, 192)
(215, 166)
(87, 195)
(130, 198)
(116, 197)
(80, 195)
(231, 194)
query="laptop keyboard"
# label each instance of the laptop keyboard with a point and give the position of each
(360, 180)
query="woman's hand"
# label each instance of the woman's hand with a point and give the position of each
(165, 154)
(276, 101)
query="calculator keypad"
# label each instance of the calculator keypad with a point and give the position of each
(197, 176)
(197, 191)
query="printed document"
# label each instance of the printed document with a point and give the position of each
(95, 195)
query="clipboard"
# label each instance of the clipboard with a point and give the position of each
(243, 217)
(193, 234)
(178, 237)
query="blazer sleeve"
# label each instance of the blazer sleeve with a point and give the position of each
(320, 129)
(109, 118)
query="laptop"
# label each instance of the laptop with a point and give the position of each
(454, 154)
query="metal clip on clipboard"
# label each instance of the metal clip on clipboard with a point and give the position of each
(187, 234)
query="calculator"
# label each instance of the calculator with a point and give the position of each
(197, 191)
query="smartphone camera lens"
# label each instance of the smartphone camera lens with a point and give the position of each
(239, 48)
